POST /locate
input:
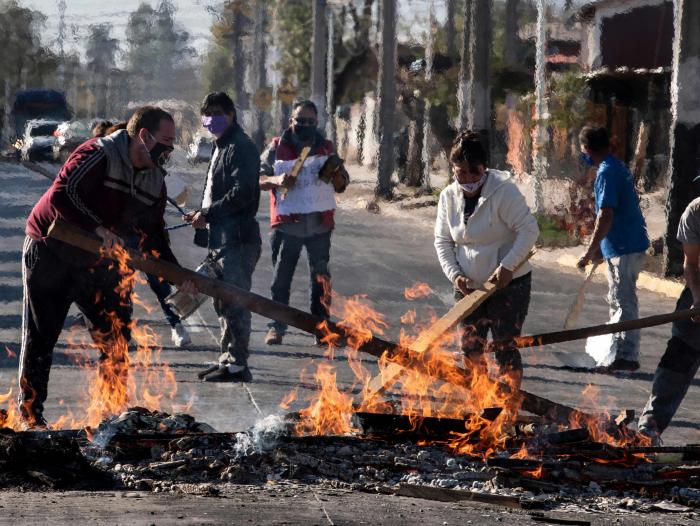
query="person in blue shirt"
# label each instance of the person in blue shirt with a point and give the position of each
(620, 238)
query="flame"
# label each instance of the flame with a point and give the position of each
(535, 473)
(123, 377)
(419, 290)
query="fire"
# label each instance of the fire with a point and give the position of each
(329, 413)
(124, 376)
(535, 473)
(419, 290)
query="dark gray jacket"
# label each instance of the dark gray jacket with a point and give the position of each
(235, 191)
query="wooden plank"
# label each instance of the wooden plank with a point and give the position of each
(577, 306)
(305, 321)
(294, 173)
(391, 374)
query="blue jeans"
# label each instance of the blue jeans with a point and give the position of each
(237, 263)
(286, 250)
(623, 272)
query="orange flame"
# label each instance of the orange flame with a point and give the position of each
(419, 290)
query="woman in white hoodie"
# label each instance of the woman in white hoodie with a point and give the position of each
(483, 231)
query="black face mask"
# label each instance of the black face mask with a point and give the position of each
(304, 133)
(157, 153)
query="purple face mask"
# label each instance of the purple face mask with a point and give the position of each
(216, 124)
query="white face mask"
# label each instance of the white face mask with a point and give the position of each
(471, 188)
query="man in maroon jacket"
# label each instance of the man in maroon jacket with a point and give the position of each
(113, 186)
(301, 209)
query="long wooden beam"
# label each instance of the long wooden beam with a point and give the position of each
(305, 321)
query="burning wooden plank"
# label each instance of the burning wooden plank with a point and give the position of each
(305, 321)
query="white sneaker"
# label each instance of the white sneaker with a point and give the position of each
(179, 336)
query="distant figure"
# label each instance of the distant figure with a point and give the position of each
(301, 209)
(680, 362)
(99, 128)
(161, 288)
(483, 231)
(619, 238)
(232, 235)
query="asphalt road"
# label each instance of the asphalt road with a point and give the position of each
(374, 255)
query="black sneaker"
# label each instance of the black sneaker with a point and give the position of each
(621, 364)
(239, 373)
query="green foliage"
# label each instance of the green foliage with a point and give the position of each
(567, 100)
(293, 30)
(553, 232)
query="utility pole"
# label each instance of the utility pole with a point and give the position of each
(318, 60)
(261, 101)
(684, 165)
(464, 97)
(386, 99)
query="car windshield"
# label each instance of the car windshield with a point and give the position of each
(43, 129)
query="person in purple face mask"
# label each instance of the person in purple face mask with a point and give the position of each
(226, 225)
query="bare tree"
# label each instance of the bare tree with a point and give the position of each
(258, 72)
(387, 98)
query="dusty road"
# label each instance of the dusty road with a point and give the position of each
(375, 255)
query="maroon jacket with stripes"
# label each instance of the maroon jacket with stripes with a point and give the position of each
(82, 195)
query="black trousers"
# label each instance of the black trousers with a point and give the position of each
(51, 285)
(503, 314)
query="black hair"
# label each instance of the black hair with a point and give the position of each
(304, 104)
(469, 147)
(217, 98)
(595, 138)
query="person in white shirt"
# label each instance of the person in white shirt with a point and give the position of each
(483, 231)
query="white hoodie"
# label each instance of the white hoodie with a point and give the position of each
(502, 230)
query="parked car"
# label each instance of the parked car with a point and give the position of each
(38, 140)
(69, 135)
(200, 150)
(38, 104)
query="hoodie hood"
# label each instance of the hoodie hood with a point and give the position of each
(144, 185)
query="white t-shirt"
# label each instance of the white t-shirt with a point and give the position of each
(206, 200)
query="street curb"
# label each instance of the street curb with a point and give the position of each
(646, 281)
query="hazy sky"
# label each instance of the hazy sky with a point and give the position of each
(191, 14)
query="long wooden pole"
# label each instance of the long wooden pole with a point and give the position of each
(301, 320)
(548, 338)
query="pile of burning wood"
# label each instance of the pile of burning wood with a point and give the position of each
(158, 452)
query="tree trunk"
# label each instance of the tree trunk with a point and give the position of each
(386, 99)
(481, 53)
(239, 62)
(318, 60)
(414, 159)
(450, 32)
(464, 95)
(330, 107)
(685, 127)
(511, 36)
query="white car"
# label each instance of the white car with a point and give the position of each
(38, 140)
(200, 150)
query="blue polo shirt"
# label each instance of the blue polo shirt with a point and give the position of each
(614, 188)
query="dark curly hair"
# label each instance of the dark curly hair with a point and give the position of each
(468, 146)
(595, 138)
